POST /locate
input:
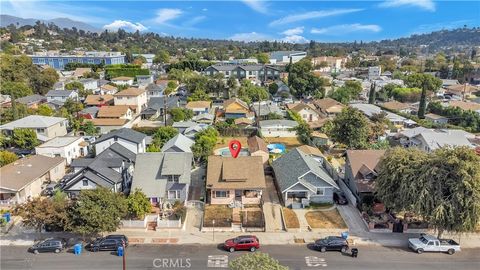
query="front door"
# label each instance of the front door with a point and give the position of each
(238, 195)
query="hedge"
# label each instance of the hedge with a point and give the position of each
(128, 72)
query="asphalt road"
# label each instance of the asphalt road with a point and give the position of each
(213, 257)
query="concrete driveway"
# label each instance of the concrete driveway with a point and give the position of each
(272, 207)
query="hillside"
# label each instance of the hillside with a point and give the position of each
(6, 20)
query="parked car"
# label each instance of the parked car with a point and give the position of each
(339, 197)
(244, 242)
(428, 243)
(120, 237)
(102, 244)
(331, 243)
(49, 245)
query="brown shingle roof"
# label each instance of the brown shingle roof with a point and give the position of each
(113, 111)
(465, 105)
(255, 144)
(94, 100)
(309, 150)
(460, 88)
(80, 71)
(108, 121)
(395, 105)
(243, 121)
(235, 173)
(300, 106)
(242, 103)
(20, 173)
(198, 104)
(328, 105)
(359, 158)
(130, 92)
(109, 87)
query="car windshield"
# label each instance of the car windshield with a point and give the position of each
(425, 241)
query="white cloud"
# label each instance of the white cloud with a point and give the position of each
(423, 4)
(205, 9)
(295, 39)
(293, 31)
(167, 14)
(125, 25)
(249, 37)
(347, 28)
(258, 6)
(194, 20)
(312, 15)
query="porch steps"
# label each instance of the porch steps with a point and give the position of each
(152, 226)
(236, 218)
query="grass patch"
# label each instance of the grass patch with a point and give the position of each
(291, 219)
(289, 142)
(319, 206)
(222, 215)
(325, 220)
(252, 219)
(222, 142)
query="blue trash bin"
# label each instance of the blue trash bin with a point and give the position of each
(344, 235)
(77, 249)
(120, 251)
(7, 217)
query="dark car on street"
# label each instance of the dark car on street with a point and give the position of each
(120, 237)
(335, 243)
(244, 242)
(49, 245)
(104, 244)
(339, 198)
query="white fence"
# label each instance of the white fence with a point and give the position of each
(134, 223)
(167, 223)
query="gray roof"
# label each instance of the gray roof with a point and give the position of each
(157, 102)
(59, 93)
(124, 133)
(294, 164)
(87, 80)
(204, 116)
(31, 99)
(151, 170)
(266, 108)
(446, 137)
(155, 87)
(33, 121)
(184, 124)
(90, 110)
(180, 142)
(281, 54)
(280, 122)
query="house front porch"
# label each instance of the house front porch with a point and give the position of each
(235, 196)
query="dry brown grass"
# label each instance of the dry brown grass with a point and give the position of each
(222, 215)
(325, 220)
(291, 220)
(289, 142)
(223, 141)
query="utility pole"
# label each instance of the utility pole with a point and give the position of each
(165, 108)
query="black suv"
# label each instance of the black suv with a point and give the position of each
(331, 243)
(102, 244)
(339, 197)
(120, 237)
(49, 245)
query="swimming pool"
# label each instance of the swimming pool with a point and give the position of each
(277, 148)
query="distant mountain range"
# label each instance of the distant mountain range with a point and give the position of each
(6, 20)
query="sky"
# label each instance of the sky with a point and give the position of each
(253, 20)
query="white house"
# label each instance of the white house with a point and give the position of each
(278, 128)
(128, 138)
(374, 72)
(68, 147)
(199, 107)
(133, 97)
(284, 57)
(61, 95)
(144, 80)
(46, 127)
(122, 80)
(89, 84)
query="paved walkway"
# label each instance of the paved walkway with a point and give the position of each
(304, 227)
(272, 207)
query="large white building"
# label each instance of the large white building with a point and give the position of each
(68, 147)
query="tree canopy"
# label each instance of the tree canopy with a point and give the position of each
(138, 204)
(161, 136)
(7, 157)
(249, 92)
(350, 128)
(302, 82)
(256, 260)
(205, 141)
(347, 92)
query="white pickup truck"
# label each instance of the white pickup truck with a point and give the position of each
(428, 243)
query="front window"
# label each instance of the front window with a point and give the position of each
(40, 130)
(85, 183)
(173, 194)
(173, 178)
(221, 194)
(320, 191)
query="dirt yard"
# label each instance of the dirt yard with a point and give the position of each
(222, 215)
(325, 219)
(291, 220)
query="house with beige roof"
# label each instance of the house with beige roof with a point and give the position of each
(122, 80)
(235, 181)
(107, 89)
(98, 100)
(133, 97)
(397, 106)
(258, 147)
(307, 111)
(23, 179)
(328, 106)
(236, 108)
(117, 112)
(464, 105)
(199, 107)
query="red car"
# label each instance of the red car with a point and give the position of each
(244, 242)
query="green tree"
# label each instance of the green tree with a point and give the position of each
(97, 210)
(162, 135)
(198, 96)
(348, 92)
(249, 92)
(15, 89)
(371, 95)
(25, 138)
(41, 212)
(273, 88)
(350, 128)
(161, 57)
(7, 157)
(263, 58)
(443, 187)
(304, 133)
(138, 204)
(181, 114)
(302, 82)
(256, 260)
(74, 86)
(88, 128)
(72, 106)
(45, 110)
(205, 141)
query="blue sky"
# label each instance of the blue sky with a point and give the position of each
(294, 21)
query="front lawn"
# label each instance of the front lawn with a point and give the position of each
(222, 215)
(291, 220)
(325, 220)
(252, 218)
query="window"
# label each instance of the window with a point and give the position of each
(40, 130)
(173, 194)
(85, 183)
(173, 178)
(221, 194)
(320, 191)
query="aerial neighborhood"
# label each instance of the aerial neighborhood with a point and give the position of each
(271, 142)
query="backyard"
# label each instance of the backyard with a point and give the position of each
(291, 220)
(222, 215)
(330, 219)
(289, 142)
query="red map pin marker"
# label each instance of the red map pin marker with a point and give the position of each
(235, 147)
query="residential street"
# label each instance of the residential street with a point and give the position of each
(208, 257)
